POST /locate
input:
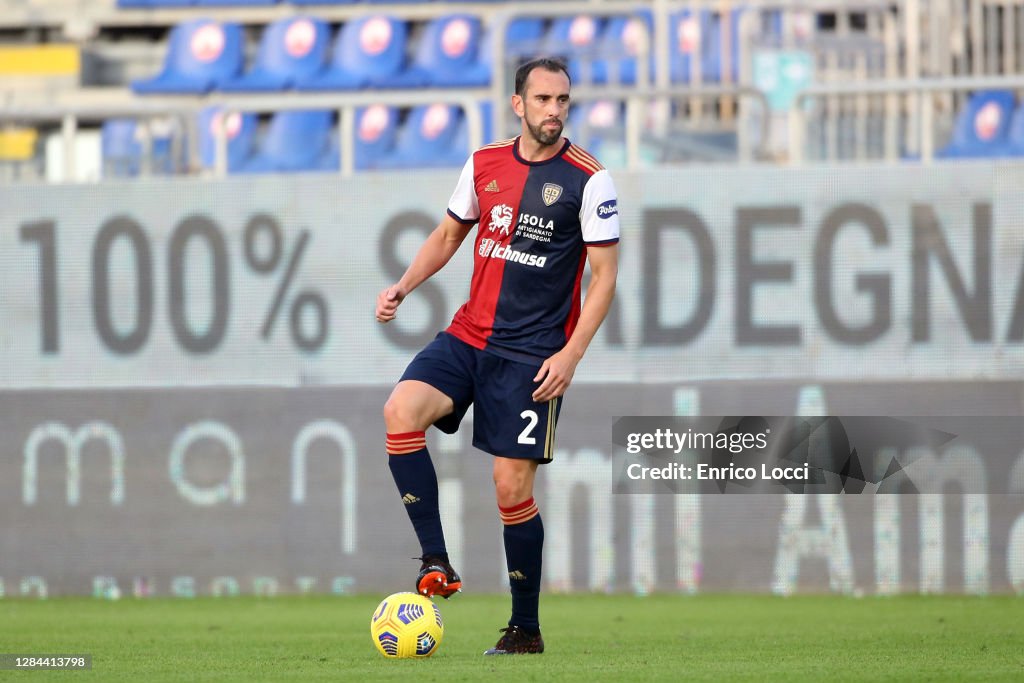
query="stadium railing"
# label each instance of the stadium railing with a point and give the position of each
(69, 118)
(185, 112)
(918, 121)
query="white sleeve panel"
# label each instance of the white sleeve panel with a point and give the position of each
(599, 215)
(464, 203)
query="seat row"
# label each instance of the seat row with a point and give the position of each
(293, 141)
(452, 51)
(429, 136)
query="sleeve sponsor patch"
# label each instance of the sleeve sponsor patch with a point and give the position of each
(608, 209)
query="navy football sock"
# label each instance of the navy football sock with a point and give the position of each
(524, 544)
(416, 480)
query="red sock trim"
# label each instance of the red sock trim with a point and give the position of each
(517, 514)
(403, 444)
(518, 506)
(406, 435)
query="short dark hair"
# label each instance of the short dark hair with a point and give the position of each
(552, 64)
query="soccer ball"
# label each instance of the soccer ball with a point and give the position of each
(406, 625)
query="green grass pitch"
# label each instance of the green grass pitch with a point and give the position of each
(588, 637)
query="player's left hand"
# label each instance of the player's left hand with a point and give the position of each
(556, 373)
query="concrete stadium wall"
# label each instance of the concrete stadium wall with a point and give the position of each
(192, 380)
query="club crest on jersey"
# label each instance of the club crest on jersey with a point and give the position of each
(501, 218)
(550, 193)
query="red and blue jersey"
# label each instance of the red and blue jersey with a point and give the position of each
(536, 221)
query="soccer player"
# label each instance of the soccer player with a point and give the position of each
(544, 207)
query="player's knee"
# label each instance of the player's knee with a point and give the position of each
(399, 417)
(511, 491)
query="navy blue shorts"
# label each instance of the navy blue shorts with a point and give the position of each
(506, 419)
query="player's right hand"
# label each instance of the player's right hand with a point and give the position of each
(387, 303)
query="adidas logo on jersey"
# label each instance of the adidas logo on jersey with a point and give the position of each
(409, 499)
(516, 575)
(492, 186)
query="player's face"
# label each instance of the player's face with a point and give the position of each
(544, 106)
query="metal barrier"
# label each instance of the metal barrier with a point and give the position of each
(919, 96)
(186, 109)
(69, 118)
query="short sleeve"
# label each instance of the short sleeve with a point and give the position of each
(599, 213)
(464, 205)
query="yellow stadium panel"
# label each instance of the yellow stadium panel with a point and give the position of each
(39, 60)
(17, 144)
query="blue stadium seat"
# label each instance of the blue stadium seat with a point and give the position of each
(201, 55)
(376, 129)
(295, 141)
(688, 36)
(487, 117)
(241, 130)
(597, 123)
(323, 2)
(1015, 135)
(427, 138)
(233, 3)
(616, 60)
(369, 52)
(982, 128)
(291, 48)
(714, 53)
(127, 4)
(523, 40)
(448, 53)
(123, 151)
(376, 133)
(577, 40)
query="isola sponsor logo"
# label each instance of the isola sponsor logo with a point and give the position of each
(510, 254)
(536, 221)
(608, 209)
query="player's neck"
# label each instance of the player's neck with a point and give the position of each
(531, 150)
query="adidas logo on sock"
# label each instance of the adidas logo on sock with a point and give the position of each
(517, 575)
(492, 186)
(409, 499)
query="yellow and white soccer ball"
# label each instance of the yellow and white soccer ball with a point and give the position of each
(406, 625)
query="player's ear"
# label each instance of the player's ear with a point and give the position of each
(517, 105)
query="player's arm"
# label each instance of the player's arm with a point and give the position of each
(557, 371)
(435, 252)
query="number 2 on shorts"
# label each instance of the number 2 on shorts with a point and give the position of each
(533, 419)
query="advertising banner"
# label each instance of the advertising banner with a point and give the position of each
(191, 383)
